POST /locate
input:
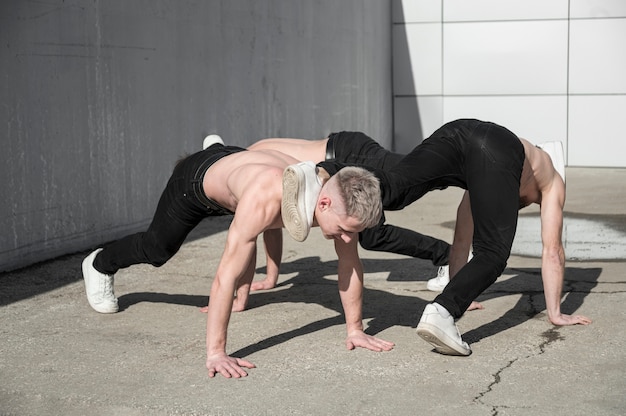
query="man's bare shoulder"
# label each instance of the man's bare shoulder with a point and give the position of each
(251, 174)
(539, 173)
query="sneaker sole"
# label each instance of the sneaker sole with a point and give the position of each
(434, 287)
(112, 308)
(437, 338)
(293, 219)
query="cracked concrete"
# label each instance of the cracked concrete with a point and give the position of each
(59, 357)
(496, 380)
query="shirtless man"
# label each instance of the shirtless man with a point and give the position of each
(501, 174)
(223, 180)
(355, 148)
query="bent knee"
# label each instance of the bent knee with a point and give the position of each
(157, 255)
(495, 261)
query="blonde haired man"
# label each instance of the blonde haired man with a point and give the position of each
(223, 180)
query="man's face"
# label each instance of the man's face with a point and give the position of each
(337, 226)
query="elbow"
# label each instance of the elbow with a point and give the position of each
(554, 254)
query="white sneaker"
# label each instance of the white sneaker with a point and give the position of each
(442, 333)
(301, 187)
(210, 140)
(99, 287)
(557, 156)
(437, 284)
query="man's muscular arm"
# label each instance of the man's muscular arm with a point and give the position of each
(273, 240)
(553, 255)
(255, 212)
(350, 276)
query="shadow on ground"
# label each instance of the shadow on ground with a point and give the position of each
(315, 283)
(53, 274)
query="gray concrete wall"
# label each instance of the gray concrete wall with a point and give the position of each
(100, 98)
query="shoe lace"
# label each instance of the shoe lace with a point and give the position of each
(106, 286)
(441, 273)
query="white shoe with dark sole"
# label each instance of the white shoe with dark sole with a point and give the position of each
(301, 187)
(442, 333)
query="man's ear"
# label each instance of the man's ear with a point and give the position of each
(324, 202)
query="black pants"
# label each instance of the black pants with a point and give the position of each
(354, 148)
(487, 160)
(181, 207)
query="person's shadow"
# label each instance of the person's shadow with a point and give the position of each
(315, 283)
(385, 309)
(579, 282)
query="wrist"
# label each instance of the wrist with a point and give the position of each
(215, 353)
(351, 328)
(213, 348)
(553, 313)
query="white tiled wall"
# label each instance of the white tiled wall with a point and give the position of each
(501, 58)
(548, 70)
(597, 63)
(417, 43)
(597, 8)
(502, 10)
(417, 11)
(536, 118)
(596, 130)
(414, 115)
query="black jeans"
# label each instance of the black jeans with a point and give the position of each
(487, 160)
(354, 148)
(483, 158)
(181, 207)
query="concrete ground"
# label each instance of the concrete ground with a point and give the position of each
(58, 357)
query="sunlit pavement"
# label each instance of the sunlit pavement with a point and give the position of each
(58, 357)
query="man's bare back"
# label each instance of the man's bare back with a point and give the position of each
(301, 149)
(243, 172)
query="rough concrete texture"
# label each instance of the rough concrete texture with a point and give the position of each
(59, 357)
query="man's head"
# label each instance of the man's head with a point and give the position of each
(349, 202)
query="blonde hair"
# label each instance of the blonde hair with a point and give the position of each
(360, 191)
